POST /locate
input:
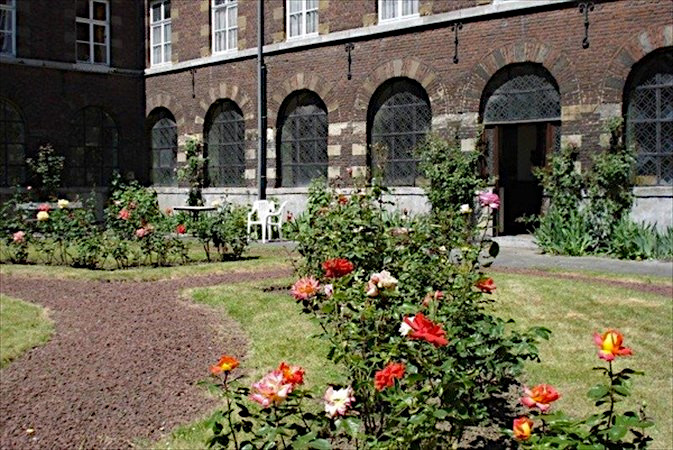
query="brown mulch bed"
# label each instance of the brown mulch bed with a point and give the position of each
(122, 364)
(649, 288)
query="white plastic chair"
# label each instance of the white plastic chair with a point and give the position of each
(265, 212)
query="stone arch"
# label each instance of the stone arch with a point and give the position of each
(227, 91)
(410, 68)
(551, 59)
(303, 81)
(165, 100)
(623, 60)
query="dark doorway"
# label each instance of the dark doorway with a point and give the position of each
(521, 112)
(520, 148)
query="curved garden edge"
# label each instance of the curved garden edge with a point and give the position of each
(121, 365)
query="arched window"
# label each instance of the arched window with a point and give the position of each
(164, 147)
(302, 122)
(521, 93)
(398, 119)
(12, 145)
(92, 156)
(225, 139)
(648, 105)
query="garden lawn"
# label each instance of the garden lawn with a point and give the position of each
(277, 331)
(22, 327)
(258, 258)
(574, 310)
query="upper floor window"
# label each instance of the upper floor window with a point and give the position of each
(302, 18)
(7, 27)
(225, 25)
(93, 31)
(160, 31)
(397, 9)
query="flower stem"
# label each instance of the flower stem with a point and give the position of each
(612, 395)
(231, 426)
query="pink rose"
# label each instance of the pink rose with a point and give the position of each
(489, 199)
(19, 237)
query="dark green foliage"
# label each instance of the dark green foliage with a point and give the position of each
(194, 171)
(452, 174)
(47, 169)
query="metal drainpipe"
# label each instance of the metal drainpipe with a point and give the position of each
(261, 103)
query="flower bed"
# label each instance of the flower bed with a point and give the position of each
(135, 231)
(403, 304)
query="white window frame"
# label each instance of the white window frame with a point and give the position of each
(398, 15)
(162, 25)
(91, 22)
(226, 6)
(303, 13)
(11, 8)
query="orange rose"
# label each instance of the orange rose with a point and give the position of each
(522, 428)
(305, 288)
(293, 375)
(541, 396)
(610, 345)
(225, 364)
(486, 285)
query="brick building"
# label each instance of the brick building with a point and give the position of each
(345, 74)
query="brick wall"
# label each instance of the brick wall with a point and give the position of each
(589, 79)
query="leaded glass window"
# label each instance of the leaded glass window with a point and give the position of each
(12, 146)
(521, 93)
(92, 156)
(303, 139)
(399, 119)
(164, 140)
(650, 119)
(225, 139)
(8, 27)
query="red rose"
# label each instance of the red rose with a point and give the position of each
(337, 267)
(181, 229)
(386, 377)
(293, 375)
(424, 329)
(486, 285)
(44, 207)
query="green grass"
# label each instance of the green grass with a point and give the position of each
(22, 327)
(258, 258)
(277, 331)
(631, 278)
(574, 310)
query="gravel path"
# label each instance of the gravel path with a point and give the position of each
(122, 363)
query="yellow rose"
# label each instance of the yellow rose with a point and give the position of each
(42, 216)
(63, 203)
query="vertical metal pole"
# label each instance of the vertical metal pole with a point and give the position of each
(261, 103)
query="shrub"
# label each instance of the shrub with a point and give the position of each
(194, 171)
(403, 308)
(226, 230)
(452, 174)
(46, 169)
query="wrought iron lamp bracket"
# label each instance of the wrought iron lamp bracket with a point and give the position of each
(584, 8)
(348, 47)
(455, 27)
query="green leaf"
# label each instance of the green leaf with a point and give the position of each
(622, 390)
(440, 414)
(597, 392)
(320, 444)
(351, 425)
(617, 432)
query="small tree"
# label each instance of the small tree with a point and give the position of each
(194, 171)
(47, 169)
